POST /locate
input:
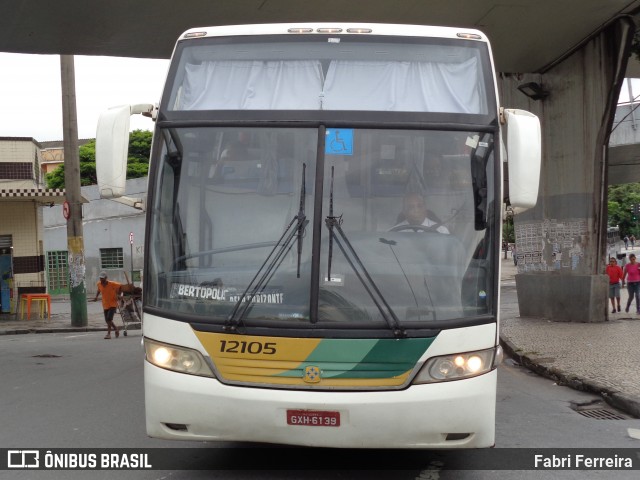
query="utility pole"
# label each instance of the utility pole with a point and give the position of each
(75, 239)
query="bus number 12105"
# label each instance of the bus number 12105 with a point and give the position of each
(233, 346)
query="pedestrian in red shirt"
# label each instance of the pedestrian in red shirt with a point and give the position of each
(615, 276)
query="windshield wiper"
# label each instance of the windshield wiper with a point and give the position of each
(302, 218)
(272, 262)
(334, 223)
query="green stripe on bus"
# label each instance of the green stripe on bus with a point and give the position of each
(360, 358)
(394, 356)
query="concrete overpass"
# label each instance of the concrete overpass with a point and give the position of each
(578, 50)
(527, 35)
(624, 145)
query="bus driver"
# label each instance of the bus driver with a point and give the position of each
(415, 217)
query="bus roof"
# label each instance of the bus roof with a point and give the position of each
(324, 28)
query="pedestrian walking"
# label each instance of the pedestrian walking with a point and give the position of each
(615, 277)
(110, 292)
(632, 239)
(632, 276)
(626, 242)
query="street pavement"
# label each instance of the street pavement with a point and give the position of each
(602, 358)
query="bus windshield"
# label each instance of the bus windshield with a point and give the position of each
(320, 72)
(405, 220)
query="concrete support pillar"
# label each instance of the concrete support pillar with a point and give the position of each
(561, 243)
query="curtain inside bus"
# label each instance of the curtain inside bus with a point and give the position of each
(349, 85)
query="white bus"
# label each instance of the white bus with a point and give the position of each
(293, 292)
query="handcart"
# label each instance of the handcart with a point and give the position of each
(130, 307)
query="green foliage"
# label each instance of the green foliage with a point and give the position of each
(508, 231)
(137, 169)
(137, 162)
(620, 206)
(87, 152)
(55, 179)
(88, 174)
(140, 145)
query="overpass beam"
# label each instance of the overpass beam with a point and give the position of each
(561, 243)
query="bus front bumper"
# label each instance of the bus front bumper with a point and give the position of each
(456, 414)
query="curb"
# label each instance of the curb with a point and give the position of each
(621, 401)
(21, 331)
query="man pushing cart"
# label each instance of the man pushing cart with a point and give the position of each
(126, 299)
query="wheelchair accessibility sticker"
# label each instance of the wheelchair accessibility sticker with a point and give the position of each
(339, 141)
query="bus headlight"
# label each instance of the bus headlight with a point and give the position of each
(178, 359)
(458, 366)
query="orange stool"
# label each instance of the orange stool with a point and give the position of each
(27, 298)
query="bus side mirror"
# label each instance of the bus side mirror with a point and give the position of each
(112, 146)
(524, 154)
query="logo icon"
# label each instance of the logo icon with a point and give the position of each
(339, 141)
(23, 459)
(311, 374)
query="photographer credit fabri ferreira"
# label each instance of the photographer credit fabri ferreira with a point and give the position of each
(580, 462)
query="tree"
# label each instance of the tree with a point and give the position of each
(622, 198)
(140, 145)
(508, 231)
(137, 162)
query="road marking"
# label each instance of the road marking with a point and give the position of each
(432, 472)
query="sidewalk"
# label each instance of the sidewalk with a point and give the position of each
(60, 321)
(602, 358)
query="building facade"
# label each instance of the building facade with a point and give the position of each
(23, 197)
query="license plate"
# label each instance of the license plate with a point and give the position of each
(313, 418)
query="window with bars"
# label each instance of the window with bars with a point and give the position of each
(58, 271)
(111, 258)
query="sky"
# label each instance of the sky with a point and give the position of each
(630, 91)
(31, 101)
